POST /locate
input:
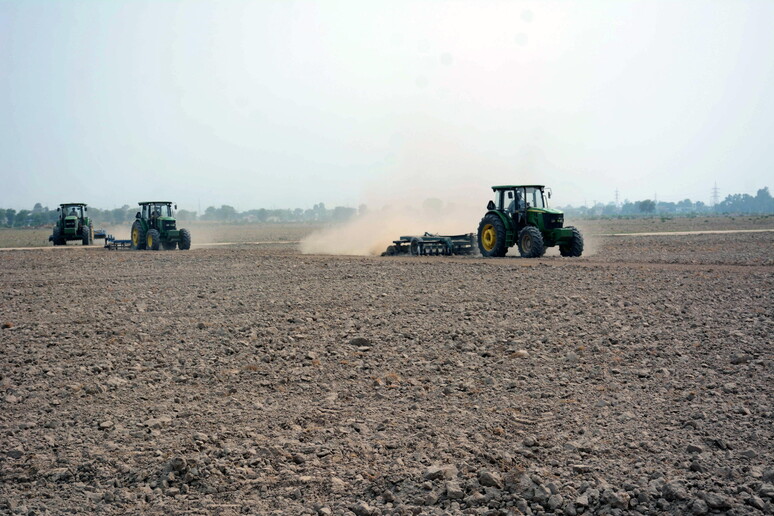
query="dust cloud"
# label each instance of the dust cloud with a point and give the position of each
(372, 232)
(433, 185)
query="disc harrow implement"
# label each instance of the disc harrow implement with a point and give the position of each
(431, 244)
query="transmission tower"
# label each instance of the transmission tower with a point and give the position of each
(715, 195)
(616, 197)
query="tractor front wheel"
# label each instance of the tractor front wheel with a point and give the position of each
(153, 240)
(138, 236)
(185, 240)
(491, 236)
(531, 243)
(574, 247)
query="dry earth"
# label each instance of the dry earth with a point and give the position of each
(253, 379)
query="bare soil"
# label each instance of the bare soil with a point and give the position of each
(637, 379)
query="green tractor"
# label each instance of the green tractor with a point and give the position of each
(155, 227)
(520, 215)
(72, 224)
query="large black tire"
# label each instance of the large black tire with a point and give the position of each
(153, 240)
(169, 246)
(491, 236)
(58, 240)
(185, 240)
(575, 247)
(138, 236)
(531, 243)
(88, 235)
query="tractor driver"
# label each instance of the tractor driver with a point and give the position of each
(72, 212)
(516, 204)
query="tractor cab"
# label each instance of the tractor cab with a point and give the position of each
(72, 213)
(158, 214)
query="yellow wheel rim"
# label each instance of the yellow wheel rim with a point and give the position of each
(489, 237)
(149, 240)
(135, 237)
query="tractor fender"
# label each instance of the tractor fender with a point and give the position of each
(510, 230)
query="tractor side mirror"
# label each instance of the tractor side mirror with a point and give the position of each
(490, 205)
(85, 208)
(137, 216)
(59, 209)
(175, 206)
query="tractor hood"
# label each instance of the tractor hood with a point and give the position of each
(550, 211)
(164, 219)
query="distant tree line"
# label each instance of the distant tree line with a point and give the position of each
(761, 203)
(43, 216)
(318, 213)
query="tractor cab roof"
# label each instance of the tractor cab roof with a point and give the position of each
(145, 203)
(511, 187)
(72, 204)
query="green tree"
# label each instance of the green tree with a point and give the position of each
(22, 219)
(646, 206)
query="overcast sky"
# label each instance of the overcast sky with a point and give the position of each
(285, 104)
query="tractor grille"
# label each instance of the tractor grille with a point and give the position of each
(70, 223)
(553, 221)
(168, 225)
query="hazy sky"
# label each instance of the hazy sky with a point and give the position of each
(286, 104)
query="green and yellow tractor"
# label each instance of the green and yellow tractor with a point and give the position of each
(155, 227)
(72, 224)
(520, 215)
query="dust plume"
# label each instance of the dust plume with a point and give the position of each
(372, 232)
(433, 184)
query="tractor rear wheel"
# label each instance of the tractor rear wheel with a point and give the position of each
(491, 236)
(574, 247)
(138, 236)
(58, 240)
(185, 240)
(531, 243)
(153, 240)
(88, 235)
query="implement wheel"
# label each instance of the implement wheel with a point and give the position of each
(138, 236)
(491, 236)
(153, 240)
(574, 247)
(531, 243)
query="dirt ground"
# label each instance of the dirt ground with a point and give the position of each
(638, 379)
